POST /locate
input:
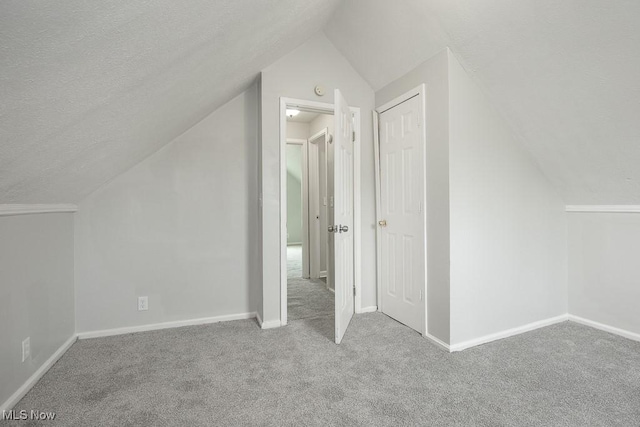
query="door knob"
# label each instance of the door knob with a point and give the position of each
(330, 228)
(344, 229)
(382, 223)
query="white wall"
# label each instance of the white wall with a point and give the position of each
(181, 227)
(604, 272)
(297, 130)
(36, 292)
(433, 73)
(295, 75)
(508, 225)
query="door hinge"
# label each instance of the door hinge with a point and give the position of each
(420, 294)
(353, 136)
(354, 290)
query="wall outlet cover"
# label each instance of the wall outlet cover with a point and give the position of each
(143, 303)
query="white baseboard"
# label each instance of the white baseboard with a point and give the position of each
(508, 333)
(259, 319)
(443, 345)
(267, 325)
(370, 309)
(270, 324)
(601, 326)
(33, 379)
(165, 325)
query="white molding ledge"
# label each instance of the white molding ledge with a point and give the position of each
(6, 210)
(603, 208)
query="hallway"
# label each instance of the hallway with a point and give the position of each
(307, 298)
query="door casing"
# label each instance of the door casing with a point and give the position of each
(319, 107)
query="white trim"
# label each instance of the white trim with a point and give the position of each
(259, 319)
(378, 189)
(9, 209)
(603, 208)
(357, 209)
(601, 326)
(165, 325)
(419, 91)
(438, 342)
(37, 375)
(508, 333)
(324, 132)
(271, 324)
(324, 108)
(369, 309)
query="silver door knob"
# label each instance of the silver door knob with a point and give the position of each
(330, 228)
(344, 229)
(382, 223)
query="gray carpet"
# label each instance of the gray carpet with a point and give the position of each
(307, 298)
(383, 373)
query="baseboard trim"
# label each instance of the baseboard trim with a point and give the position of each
(438, 342)
(7, 210)
(369, 309)
(33, 379)
(259, 319)
(606, 328)
(603, 208)
(165, 325)
(508, 333)
(270, 324)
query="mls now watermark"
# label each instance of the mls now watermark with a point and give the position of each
(24, 415)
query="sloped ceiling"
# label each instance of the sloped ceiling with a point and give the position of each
(88, 89)
(565, 75)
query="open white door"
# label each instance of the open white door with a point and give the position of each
(343, 215)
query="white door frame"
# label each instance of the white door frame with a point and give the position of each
(305, 203)
(314, 245)
(325, 108)
(421, 92)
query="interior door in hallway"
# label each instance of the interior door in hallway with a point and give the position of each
(402, 227)
(343, 215)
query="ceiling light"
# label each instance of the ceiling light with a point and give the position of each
(292, 112)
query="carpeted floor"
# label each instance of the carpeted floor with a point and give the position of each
(383, 373)
(307, 298)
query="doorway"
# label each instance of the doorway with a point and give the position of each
(401, 209)
(333, 196)
(308, 159)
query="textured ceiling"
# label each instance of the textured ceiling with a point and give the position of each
(565, 75)
(88, 89)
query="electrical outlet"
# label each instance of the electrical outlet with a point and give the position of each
(26, 349)
(143, 303)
